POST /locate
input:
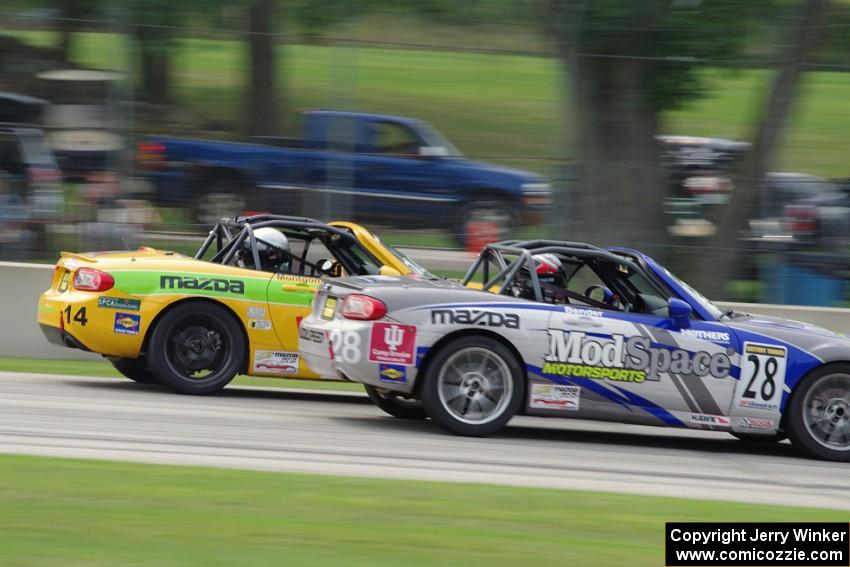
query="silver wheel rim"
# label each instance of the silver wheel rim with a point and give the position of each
(475, 385)
(826, 412)
(215, 206)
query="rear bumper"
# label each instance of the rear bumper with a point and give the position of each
(61, 337)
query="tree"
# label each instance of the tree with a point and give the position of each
(262, 96)
(807, 35)
(624, 63)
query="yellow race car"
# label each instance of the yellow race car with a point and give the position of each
(192, 324)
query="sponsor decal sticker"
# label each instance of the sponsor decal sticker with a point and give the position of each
(705, 419)
(127, 324)
(555, 396)
(256, 312)
(583, 311)
(311, 335)
(713, 336)
(575, 354)
(474, 317)
(393, 342)
(329, 308)
(203, 284)
(759, 423)
(392, 373)
(119, 303)
(260, 324)
(300, 279)
(276, 362)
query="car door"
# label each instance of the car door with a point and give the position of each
(637, 366)
(393, 180)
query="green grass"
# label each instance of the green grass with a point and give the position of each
(72, 512)
(102, 368)
(499, 108)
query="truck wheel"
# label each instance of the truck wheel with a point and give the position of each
(485, 212)
(135, 369)
(396, 405)
(196, 348)
(818, 413)
(473, 386)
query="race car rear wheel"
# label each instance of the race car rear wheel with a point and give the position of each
(395, 405)
(473, 386)
(818, 414)
(196, 348)
(135, 369)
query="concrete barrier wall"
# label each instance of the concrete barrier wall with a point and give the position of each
(21, 285)
(20, 335)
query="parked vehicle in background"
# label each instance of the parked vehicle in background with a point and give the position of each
(802, 209)
(700, 169)
(30, 180)
(392, 168)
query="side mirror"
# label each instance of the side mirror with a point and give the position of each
(388, 271)
(679, 313)
(432, 151)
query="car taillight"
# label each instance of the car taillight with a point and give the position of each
(89, 279)
(150, 154)
(800, 220)
(363, 307)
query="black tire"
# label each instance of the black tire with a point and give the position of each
(473, 387)
(818, 407)
(395, 405)
(760, 439)
(136, 369)
(484, 210)
(196, 348)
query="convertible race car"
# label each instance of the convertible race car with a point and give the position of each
(192, 324)
(571, 330)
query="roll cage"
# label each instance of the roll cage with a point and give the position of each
(501, 266)
(231, 233)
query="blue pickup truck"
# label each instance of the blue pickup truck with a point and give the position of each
(372, 167)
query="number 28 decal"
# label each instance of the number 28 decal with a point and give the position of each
(346, 346)
(762, 377)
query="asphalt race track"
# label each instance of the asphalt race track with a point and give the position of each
(340, 433)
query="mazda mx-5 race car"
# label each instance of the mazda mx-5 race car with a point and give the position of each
(571, 330)
(192, 324)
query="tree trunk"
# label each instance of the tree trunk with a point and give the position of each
(718, 262)
(619, 194)
(262, 96)
(154, 45)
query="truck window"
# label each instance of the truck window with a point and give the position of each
(396, 139)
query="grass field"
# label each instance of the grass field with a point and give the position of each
(500, 108)
(102, 368)
(71, 512)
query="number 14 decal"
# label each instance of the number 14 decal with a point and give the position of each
(79, 316)
(762, 377)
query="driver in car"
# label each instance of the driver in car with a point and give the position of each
(273, 249)
(553, 283)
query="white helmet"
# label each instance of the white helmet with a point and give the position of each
(273, 249)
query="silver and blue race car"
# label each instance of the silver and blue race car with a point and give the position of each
(551, 328)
